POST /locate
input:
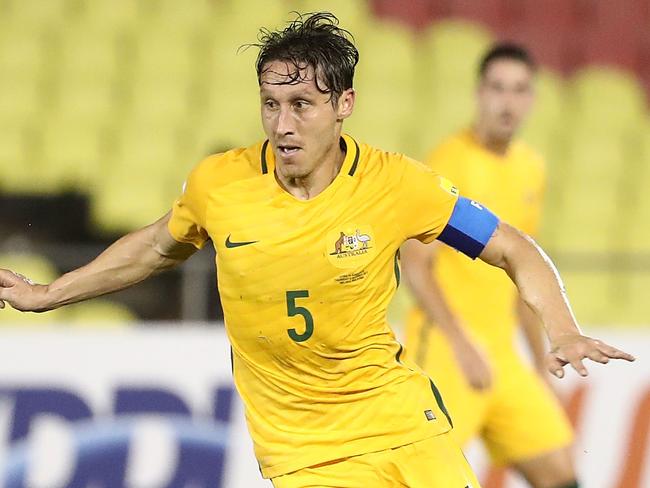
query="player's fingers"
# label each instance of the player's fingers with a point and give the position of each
(555, 365)
(613, 352)
(579, 367)
(598, 356)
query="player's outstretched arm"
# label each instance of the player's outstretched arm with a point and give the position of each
(128, 261)
(541, 288)
(417, 261)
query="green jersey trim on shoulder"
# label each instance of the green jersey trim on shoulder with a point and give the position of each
(264, 166)
(356, 158)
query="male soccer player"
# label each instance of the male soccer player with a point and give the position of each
(488, 388)
(307, 226)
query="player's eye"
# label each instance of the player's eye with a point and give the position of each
(498, 87)
(270, 104)
(301, 104)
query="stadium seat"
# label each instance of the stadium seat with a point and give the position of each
(635, 237)
(434, 121)
(74, 154)
(393, 98)
(92, 102)
(543, 127)
(373, 42)
(232, 106)
(593, 193)
(186, 16)
(353, 16)
(415, 13)
(491, 13)
(634, 290)
(141, 179)
(592, 295)
(38, 269)
(21, 98)
(250, 16)
(607, 98)
(450, 51)
(162, 55)
(592, 176)
(31, 13)
(124, 202)
(159, 100)
(88, 54)
(22, 49)
(446, 62)
(109, 16)
(595, 155)
(99, 312)
(20, 169)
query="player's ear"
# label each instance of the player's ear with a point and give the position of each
(345, 104)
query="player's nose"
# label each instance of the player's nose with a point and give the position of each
(285, 123)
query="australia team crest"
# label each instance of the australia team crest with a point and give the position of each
(350, 246)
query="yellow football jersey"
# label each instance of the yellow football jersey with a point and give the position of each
(512, 187)
(305, 286)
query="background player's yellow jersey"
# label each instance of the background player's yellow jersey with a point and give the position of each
(512, 187)
(305, 286)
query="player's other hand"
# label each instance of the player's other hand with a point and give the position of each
(474, 364)
(20, 292)
(574, 348)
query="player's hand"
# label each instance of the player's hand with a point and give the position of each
(474, 364)
(20, 292)
(574, 348)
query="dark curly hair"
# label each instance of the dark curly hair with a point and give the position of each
(316, 40)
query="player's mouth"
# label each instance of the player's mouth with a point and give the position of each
(287, 150)
(507, 118)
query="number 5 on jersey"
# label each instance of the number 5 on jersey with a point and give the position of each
(293, 310)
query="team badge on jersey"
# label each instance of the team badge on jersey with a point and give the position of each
(350, 246)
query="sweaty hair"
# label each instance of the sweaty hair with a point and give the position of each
(506, 50)
(313, 40)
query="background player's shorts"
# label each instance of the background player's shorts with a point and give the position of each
(432, 463)
(519, 418)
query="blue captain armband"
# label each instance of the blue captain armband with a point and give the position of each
(469, 228)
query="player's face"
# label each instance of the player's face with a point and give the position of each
(505, 96)
(302, 124)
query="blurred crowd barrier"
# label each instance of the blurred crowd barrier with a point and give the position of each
(144, 408)
(117, 100)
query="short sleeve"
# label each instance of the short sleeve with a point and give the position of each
(187, 223)
(426, 201)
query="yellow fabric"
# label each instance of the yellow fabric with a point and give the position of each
(518, 418)
(432, 463)
(325, 267)
(511, 187)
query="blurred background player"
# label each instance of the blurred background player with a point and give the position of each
(463, 332)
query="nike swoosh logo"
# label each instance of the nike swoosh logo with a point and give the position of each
(230, 244)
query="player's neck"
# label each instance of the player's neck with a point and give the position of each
(494, 145)
(311, 185)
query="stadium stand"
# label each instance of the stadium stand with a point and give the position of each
(117, 100)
